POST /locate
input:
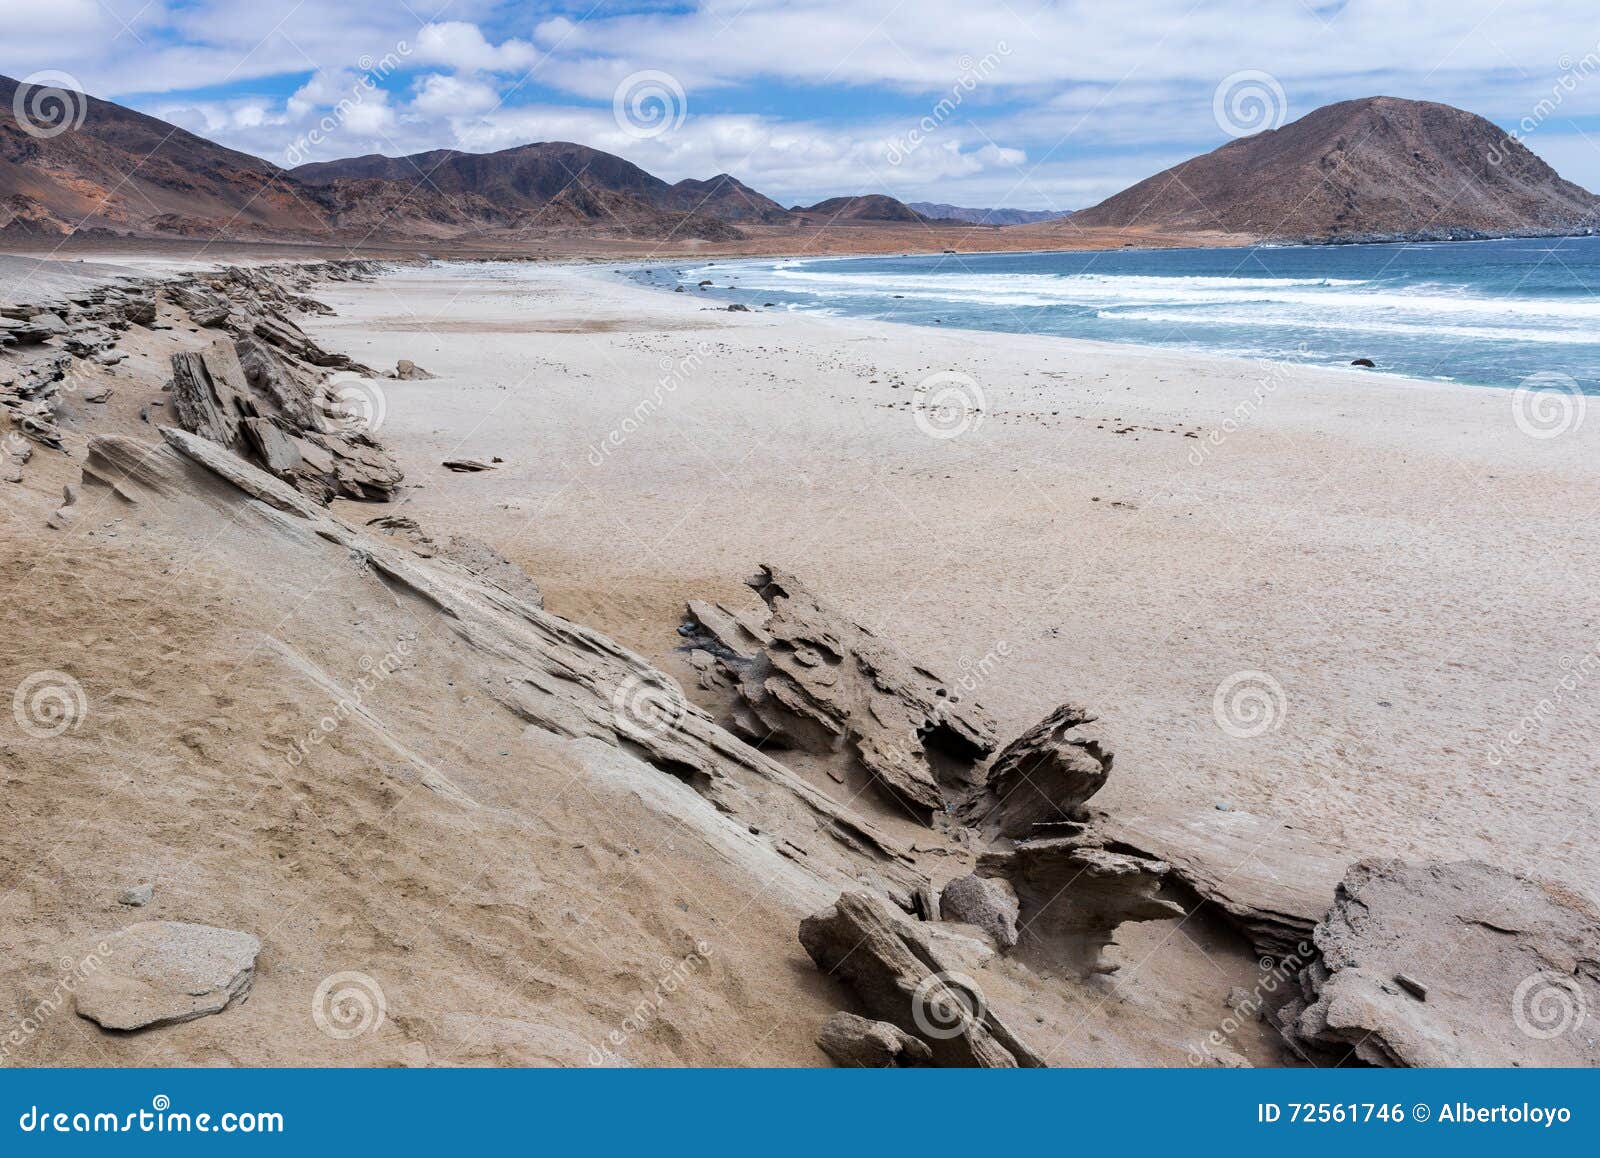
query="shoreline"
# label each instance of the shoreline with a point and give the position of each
(1306, 543)
(1102, 345)
(1329, 638)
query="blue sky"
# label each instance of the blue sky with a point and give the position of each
(1026, 104)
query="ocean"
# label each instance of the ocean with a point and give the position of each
(1490, 313)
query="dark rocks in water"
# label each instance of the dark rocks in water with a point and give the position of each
(894, 969)
(1450, 965)
(855, 1042)
(1366, 363)
(736, 308)
(1043, 776)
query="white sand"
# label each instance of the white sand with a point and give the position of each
(1398, 556)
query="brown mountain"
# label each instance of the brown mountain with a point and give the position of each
(871, 207)
(1378, 167)
(124, 171)
(590, 185)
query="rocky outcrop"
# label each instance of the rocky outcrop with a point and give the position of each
(1043, 776)
(855, 1042)
(1451, 965)
(477, 559)
(813, 679)
(160, 972)
(1270, 879)
(245, 397)
(1075, 891)
(554, 677)
(895, 970)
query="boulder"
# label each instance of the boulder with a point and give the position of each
(1043, 776)
(136, 896)
(160, 972)
(408, 371)
(855, 1042)
(1451, 965)
(989, 903)
(139, 311)
(895, 970)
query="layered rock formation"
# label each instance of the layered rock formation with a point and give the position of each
(1451, 965)
(813, 679)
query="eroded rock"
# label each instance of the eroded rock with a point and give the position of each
(813, 679)
(896, 972)
(243, 396)
(1509, 969)
(160, 972)
(1074, 893)
(856, 1042)
(1043, 776)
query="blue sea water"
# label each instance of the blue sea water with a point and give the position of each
(1489, 313)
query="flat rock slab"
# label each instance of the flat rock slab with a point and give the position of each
(1452, 965)
(161, 972)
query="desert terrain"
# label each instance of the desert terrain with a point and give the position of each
(468, 762)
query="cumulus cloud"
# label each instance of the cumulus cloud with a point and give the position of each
(458, 44)
(1072, 100)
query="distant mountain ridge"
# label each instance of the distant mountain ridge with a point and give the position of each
(1375, 168)
(868, 207)
(939, 211)
(1379, 167)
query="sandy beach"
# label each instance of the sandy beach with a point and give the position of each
(1372, 581)
(1322, 615)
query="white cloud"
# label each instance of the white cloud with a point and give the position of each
(458, 44)
(1082, 97)
(442, 96)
